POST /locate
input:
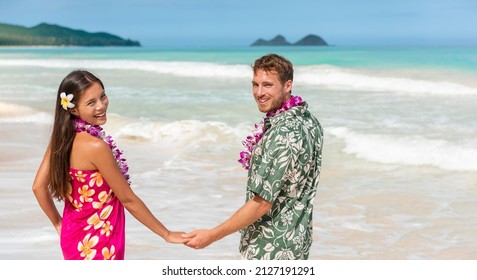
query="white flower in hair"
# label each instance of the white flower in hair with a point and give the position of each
(66, 100)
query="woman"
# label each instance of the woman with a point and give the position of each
(84, 168)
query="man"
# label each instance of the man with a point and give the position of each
(283, 158)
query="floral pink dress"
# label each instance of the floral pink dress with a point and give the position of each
(93, 219)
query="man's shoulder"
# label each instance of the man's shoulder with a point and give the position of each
(311, 119)
(297, 120)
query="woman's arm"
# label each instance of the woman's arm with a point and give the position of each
(42, 194)
(104, 161)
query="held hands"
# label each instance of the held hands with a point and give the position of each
(199, 239)
(176, 237)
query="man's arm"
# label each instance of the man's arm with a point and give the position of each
(251, 211)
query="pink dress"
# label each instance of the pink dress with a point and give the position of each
(93, 226)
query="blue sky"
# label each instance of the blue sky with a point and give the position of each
(240, 22)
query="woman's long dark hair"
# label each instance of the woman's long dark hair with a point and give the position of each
(64, 131)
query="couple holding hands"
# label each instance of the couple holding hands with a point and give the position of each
(83, 167)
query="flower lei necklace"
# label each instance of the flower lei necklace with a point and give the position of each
(97, 131)
(252, 140)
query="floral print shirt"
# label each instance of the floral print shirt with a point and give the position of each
(284, 170)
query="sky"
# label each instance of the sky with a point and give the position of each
(241, 22)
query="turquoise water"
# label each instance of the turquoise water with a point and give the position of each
(400, 156)
(464, 58)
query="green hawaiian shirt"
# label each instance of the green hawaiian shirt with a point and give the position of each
(285, 170)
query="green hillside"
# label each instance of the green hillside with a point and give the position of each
(54, 35)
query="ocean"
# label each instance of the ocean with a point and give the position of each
(399, 159)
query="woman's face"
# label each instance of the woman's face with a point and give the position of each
(92, 105)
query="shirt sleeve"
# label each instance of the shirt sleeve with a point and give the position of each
(272, 161)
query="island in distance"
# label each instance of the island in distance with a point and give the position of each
(279, 40)
(45, 34)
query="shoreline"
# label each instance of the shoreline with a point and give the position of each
(399, 161)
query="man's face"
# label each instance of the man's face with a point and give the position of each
(268, 91)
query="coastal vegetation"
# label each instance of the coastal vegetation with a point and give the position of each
(45, 34)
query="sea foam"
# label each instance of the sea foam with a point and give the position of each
(183, 132)
(177, 68)
(344, 79)
(413, 151)
(13, 113)
(326, 76)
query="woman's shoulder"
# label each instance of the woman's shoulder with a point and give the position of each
(90, 142)
(87, 150)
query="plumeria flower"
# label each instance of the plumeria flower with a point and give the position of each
(66, 100)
